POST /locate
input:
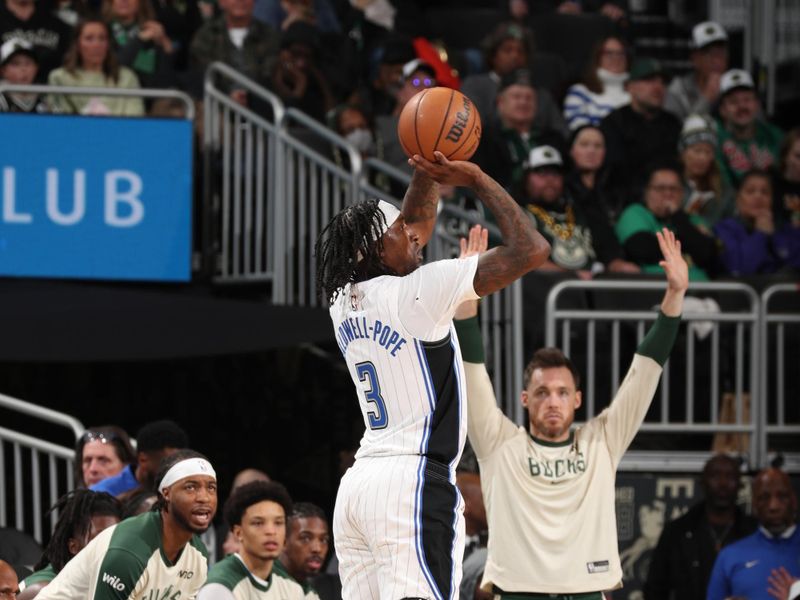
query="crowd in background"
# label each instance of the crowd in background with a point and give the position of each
(601, 163)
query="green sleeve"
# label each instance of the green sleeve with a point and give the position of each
(119, 573)
(658, 342)
(469, 338)
(633, 219)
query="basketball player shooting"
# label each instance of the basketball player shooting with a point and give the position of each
(398, 523)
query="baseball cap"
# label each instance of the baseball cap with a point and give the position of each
(708, 32)
(516, 77)
(735, 79)
(417, 65)
(16, 46)
(646, 68)
(696, 129)
(543, 156)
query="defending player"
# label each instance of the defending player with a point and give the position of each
(398, 523)
(155, 555)
(549, 491)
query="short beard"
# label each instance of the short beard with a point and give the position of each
(183, 522)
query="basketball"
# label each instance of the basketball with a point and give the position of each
(440, 119)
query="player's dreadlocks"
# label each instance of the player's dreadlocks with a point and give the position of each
(352, 234)
(75, 511)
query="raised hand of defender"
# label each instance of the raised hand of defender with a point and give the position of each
(477, 241)
(674, 265)
(461, 173)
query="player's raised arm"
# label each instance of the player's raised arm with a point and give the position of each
(419, 205)
(523, 248)
(677, 273)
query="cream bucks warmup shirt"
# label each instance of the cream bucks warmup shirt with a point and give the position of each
(126, 562)
(550, 506)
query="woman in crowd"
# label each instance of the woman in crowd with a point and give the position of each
(704, 194)
(602, 88)
(140, 42)
(586, 178)
(662, 206)
(90, 62)
(751, 243)
(102, 452)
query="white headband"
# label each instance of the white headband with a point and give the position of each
(187, 468)
(390, 214)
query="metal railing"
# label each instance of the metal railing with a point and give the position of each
(31, 465)
(779, 375)
(102, 91)
(625, 325)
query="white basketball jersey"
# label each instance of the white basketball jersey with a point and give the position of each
(397, 336)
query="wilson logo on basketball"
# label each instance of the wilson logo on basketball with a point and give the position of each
(462, 118)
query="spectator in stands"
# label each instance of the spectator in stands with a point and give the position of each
(662, 207)
(351, 122)
(746, 141)
(786, 181)
(682, 561)
(507, 139)
(237, 39)
(153, 552)
(296, 76)
(31, 21)
(751, 243)
(417, 75)
(698, 91)
(141, 42)
(154, 442)
(9, 585)
(509, 48)
(256, 513)
(18, 65)
(704, 193)
(641, 132)
(506, 49)
(101, 452)
(603, 86)
(379, 96)
(82, 515)
(90, 62)
(587, 180)
(743, 568)
(306, 548)
(280, 14)
(180, 20)
(581, 236)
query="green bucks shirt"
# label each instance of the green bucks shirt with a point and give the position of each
(230, 579)
(126, 562)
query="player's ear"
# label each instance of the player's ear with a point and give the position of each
(237, 532)
(72, 546)
(578, 399)
(523, 398)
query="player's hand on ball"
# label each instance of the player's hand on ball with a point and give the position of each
(454, 172)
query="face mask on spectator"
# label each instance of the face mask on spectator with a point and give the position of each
(361, 139)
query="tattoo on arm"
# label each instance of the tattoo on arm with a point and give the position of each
(523, 247)
(421, 199)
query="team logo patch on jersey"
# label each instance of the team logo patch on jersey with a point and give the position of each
(598, 566)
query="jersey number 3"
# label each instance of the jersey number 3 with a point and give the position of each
(378, 418)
